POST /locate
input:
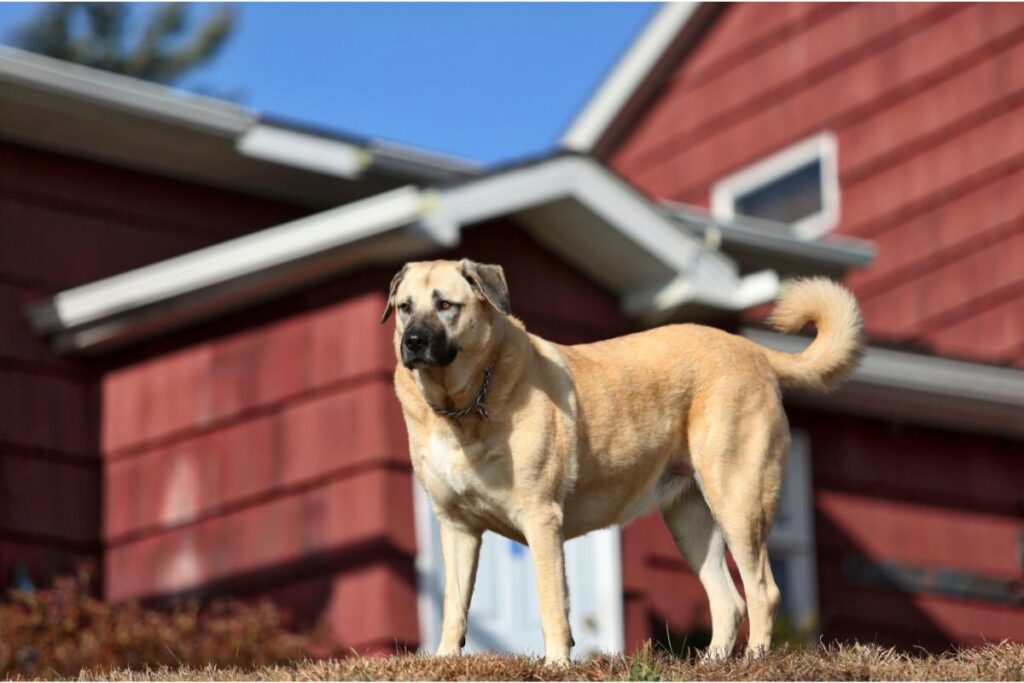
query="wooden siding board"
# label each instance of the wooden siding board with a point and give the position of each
(898, 462)
(946, 294)
(48, 412)
(943, 234)
(929, 616)
(919, 182)
(371, 608)
(88, 189)
(369, 507)
(70, 509)
(995, 335)
(737, 36)
(922, 535)
(303, 444)
(63, 249)
(933, 113)
(730, 42)
(210, 383)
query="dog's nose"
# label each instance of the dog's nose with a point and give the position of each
(415, 340)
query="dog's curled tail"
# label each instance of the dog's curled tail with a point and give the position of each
(839, 342)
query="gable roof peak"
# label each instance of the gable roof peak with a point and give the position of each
(670, 31)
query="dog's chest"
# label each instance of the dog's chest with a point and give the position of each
(460, 476)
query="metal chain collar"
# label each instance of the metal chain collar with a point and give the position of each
(477, 406)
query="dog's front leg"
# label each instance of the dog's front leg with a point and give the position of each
(542, 528)
(460, 547)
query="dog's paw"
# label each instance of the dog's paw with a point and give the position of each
(755, 652)
(714, 654)
(558, 662)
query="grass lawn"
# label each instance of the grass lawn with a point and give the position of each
(1004, 662)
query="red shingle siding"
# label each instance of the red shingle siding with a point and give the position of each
(924, 499)
(926, 101)
(248, 460)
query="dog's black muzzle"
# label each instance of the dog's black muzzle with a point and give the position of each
(426, 346)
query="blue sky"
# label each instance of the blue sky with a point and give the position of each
(490, 82)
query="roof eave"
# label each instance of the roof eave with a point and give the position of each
(85, 112)
(774, 244)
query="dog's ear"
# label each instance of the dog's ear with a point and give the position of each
(488, 282)
(392, 290)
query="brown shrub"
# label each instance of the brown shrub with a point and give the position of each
(58, 632)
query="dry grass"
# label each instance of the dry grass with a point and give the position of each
(1004, 662)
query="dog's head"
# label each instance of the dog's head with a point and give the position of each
(444, 309)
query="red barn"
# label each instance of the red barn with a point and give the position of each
(197, 393)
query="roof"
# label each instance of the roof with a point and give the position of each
(572, 204)
(670, 32)
(86, 112)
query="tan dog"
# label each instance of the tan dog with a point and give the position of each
(540, 442)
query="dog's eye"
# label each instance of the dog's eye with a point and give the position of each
(444, 305)
(404, 307)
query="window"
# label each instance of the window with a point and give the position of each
(791, 542)
(798, 186)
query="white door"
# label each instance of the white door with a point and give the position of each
(504, 613)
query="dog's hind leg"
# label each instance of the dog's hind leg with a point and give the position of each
(763, 597)
(741, 472)
(700, 541)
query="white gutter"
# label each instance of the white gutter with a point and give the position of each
(627, 75)
(85, 99)
(751, 234)
(900, 385)
(122, 92)
(305, 151)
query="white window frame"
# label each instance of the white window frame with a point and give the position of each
(822, 148)
(793, 534)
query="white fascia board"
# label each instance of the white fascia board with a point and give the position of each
(626, 76)
(122, 92)
(268, 249)
(302, 150)
(934, 390)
